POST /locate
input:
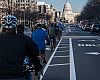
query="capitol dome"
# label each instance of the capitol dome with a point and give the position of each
(67, 13)
(67, 7)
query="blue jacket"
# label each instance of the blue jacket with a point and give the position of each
(39, 36)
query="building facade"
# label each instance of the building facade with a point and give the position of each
(25, 4)
(46, 9)
(68, 14)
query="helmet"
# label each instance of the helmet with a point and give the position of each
(9, 21)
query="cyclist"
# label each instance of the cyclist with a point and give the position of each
(28, 75)
(59, 29)
(51, 32)
(13, 48)
(20, 31)
(39, 36)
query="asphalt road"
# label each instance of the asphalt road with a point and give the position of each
(76, 57)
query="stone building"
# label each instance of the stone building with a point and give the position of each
(46, 9)
(68, 14)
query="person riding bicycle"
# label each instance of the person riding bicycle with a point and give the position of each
(28, 75)
(51, 32)
(13, 49)
(39, 36)
(59, 29)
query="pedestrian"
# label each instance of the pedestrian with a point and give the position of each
(39, 36)
(13, 49)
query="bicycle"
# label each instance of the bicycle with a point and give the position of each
(28, 69)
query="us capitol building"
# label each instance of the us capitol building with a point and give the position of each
(68, 14)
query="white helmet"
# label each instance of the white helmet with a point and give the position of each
(9, 21)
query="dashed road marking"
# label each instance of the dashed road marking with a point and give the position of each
(61, 56)
(59, 64)
(80, 37)
(63, 44)
(62, 47)
(87, 40)
(63, 51)
(98, 38)
(87, 45)
(93, 53)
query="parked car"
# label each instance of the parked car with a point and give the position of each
(95, 28)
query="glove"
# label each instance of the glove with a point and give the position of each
(38, 69)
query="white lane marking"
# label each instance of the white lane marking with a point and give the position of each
(93, 45)
(59, 64)
(79, 37)
(60, 56)
(86, 40)
(62, 47)
(72, 65)
(63, 44)
(81, 45)
(98, 38)
(63, 51)
(46, 67)
(87, 45)
(93, 53)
